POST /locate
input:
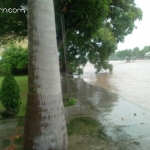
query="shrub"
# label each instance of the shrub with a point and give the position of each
(15, 58)
(69, 101)
(10, 94)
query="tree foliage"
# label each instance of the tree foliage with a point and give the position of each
(15, 58)
(92, 29)
(12, 25)
(10, 94)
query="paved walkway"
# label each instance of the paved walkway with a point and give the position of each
(11, 134)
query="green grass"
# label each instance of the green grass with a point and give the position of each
(23, 84)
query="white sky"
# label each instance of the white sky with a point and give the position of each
(140, 37)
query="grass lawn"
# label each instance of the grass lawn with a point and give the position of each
(23, 84)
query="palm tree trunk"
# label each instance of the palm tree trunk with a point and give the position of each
(45, 125)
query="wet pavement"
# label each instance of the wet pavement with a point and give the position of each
(11, 134)
(126, 126)
(124, 122)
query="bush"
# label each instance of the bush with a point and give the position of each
(10, 94)
(16, 59)
(69, 101)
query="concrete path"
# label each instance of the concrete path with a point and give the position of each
(11, 134)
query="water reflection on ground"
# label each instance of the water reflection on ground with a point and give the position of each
(110, 110)
(129, 115)
(130, 80)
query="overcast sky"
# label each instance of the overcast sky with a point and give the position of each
(140, 37)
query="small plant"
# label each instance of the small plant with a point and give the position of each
(10, 96)
(68, 101)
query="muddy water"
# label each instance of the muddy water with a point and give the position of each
(130, 80)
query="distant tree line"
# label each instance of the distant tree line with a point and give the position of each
(132, 53)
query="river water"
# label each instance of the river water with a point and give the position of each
(129, 80)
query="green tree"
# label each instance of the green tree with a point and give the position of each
(10, 94)
(135, 52)
(13, 25)
(122, 54)
(16, 58)
(45, 126)
(142, 52)
(112, 19)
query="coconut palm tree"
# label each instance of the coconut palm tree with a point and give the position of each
(45, 126)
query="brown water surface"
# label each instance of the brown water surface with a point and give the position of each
(130, 80)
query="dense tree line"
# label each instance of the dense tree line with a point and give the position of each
(132, 53)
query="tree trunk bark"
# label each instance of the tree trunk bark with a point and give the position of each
(45, 125)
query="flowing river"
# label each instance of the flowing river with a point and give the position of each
(130, 80)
